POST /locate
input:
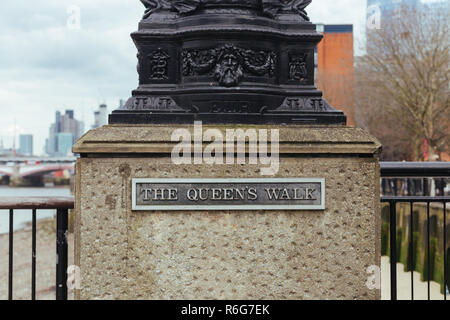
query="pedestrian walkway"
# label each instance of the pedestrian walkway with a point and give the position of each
(404, 284)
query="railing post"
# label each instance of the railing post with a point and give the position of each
(11, 254)
(393, 251)
(425, 187)
(411, 246)
(33, 256)
(62, 220)
(445, 251)
(428, 253)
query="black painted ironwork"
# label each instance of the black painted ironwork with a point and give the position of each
(226, 61)
(446, 271)
(414, 170)
(33, 256)
(393, 249)
(62, 206)
(411, 246)
(11, 254)
(61, 253)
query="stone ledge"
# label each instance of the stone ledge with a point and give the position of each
(294, 139)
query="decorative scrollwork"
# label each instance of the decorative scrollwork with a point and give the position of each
(159, 65)
(259, 62)
(273, 7)
(150, 7)
(268, 7)
(186, 6)
(228, 63)
(297, 67)
(196, 62)
(317, 104)
(298, 6)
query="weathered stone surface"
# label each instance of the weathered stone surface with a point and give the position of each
(135, 139)
(227, 255)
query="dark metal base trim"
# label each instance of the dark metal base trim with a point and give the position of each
(132, 117)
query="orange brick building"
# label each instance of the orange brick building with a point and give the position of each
(335, 68)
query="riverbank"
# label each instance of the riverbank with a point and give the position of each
(45, 262)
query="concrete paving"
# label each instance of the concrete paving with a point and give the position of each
(404, 284)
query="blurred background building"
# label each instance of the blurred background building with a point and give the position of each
(100, 116)
(26, 145)
(4, 151)
(335, 67)
(63, 133)
(391, 9)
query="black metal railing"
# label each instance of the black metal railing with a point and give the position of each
(62, 206)
(427, 170)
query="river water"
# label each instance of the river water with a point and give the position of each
(23, 216)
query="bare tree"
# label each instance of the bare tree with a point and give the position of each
(402, 83)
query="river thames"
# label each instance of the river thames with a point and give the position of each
(21, 217)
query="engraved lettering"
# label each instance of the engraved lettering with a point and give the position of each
(309, 194)
(240, 194)
(147, 193)
(299, 103)
(224, 194)
(252, 194)
(192, 195)
(285, 195)
(228, 194)
(173, 194)
(158, 194)
(203, 194)
(216, 194)
(272, 194)
(298, 195)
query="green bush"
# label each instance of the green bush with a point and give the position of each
(414, 252)
(399, 243)
(433, 250)
(385, 239)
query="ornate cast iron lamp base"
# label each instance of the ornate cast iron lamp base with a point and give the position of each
(226, 61)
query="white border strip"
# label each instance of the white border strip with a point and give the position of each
(227, 207)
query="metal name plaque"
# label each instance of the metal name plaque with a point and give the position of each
(228, 194)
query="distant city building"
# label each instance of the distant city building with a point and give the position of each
(392, 5)
(100, 116)
(335, 67)
(391, 9)
(3, 151)
(64, 131)
(26, 145)
(6, 152)
(64, 143)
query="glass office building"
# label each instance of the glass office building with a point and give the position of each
(26, 144)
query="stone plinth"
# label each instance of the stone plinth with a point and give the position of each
(125, 254)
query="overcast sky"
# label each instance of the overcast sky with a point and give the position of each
(46, 66)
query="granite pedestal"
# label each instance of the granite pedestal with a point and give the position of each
(319, 254)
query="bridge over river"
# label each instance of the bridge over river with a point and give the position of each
(31, 171)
